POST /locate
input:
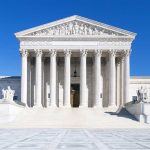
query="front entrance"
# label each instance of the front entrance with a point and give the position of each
(75, 89)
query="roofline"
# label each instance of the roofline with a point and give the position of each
(18, 34)
(139, 77)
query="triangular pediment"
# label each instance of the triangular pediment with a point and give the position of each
(74, 26)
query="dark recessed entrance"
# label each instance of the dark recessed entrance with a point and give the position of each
(75, 90)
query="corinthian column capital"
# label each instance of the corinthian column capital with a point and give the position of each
(98, 52)
(112, 52)
(126, 52)
(83, 52)
(38, 52)
(67, 52)
(52, 52)
(24, 52)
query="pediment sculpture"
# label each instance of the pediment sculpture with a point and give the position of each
(8, 94)
(74, 28)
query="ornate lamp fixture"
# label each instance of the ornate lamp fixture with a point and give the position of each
(75, 72)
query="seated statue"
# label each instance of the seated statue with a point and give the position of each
(142, 95)
(8, 94)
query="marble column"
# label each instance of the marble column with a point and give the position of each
(38, 83)
(118, 88)
(53, 78)
(126, 75)
(97, 66)
(24, 54)
(67, 54)
(29, 81)
(112, 78)
(122, 81)
(83, 77)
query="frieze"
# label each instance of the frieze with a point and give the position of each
(46, 43)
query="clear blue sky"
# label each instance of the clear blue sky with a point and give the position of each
(17, 15)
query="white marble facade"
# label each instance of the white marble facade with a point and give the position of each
(75, 51)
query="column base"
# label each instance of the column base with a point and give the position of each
(37, 106)
(53, 106)
(83, 106)
(113, 105)
(98, 106)
(112, 108)
(67, 106)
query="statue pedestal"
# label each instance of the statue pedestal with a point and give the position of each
(9, 110)
(140, 110)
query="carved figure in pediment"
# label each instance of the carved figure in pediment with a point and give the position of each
(46, 32)
(51, 31)
(64, 29)
(85, 30)
(96, 32)
(102, 32)
(43, 32)
(112, 33)
(76, 28)
(81, 29)
(70, 28)
(37, 33)
(67, 30)
(90, 31)
(61, 32)
(57, 31)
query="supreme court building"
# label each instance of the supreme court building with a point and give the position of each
(75, 62)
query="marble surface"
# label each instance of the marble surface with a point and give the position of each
(75, 139)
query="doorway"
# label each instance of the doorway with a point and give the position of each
(74, 99)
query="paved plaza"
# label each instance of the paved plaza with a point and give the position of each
(75, 139)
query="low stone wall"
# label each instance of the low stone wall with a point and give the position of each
(9, 110)
(140, 110)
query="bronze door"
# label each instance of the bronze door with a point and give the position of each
(75, 95)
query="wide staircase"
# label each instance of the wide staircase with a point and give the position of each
(73, 118)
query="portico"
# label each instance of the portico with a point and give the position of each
(75, 50)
